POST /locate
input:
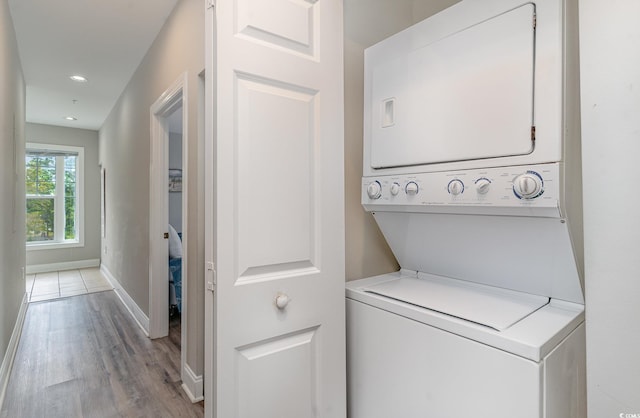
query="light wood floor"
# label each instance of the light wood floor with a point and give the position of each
(83, 356)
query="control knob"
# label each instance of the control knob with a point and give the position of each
(528, 185)
(482, 185)
(411, 188)
(374, 190)
(395, 189)
(455, 187)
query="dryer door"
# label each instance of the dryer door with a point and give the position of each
(467, 96)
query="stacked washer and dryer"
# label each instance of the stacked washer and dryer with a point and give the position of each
(472, 172)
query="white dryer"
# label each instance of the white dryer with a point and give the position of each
(472, 172)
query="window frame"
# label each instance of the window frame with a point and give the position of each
(59, 199)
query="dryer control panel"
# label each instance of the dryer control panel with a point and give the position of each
(518, 190)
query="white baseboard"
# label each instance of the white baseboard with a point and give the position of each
(192, 384)
(138, 315)
(12, 348)
(67, 265)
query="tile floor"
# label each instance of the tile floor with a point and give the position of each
(60, 284)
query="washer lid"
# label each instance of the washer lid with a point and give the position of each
(485, 305)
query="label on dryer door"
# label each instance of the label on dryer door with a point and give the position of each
(531, 190)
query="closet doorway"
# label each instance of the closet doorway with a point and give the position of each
(168, 223)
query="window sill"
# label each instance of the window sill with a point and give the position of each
(54, 245)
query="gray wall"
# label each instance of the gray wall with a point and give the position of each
(610, 78)
(12, 204)
(366, 23)
(124, 153)
(87, 139)
(175, 198)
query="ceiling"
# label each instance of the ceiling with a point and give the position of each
(103, 41)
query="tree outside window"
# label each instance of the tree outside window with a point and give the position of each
(70, 197)
(41, 192)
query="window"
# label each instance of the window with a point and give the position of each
(53, 176)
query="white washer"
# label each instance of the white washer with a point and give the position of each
(495, 329)
(406, 360)
(472, 175)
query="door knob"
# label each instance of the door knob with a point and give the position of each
(282, 300)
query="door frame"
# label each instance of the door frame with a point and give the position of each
(209, 208)
(170, 100)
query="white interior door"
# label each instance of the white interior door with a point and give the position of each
(278, 226)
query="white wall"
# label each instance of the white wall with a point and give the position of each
(610, 79)
(47, 134)
(12, 203)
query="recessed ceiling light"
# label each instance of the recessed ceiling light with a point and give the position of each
(78, 78)
(70, 118)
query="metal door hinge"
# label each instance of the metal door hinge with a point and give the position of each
(535, 20)
(166, 235)
(533, 133)
(211, 4)
(211, 269)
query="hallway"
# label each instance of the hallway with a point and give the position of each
(84, 356)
